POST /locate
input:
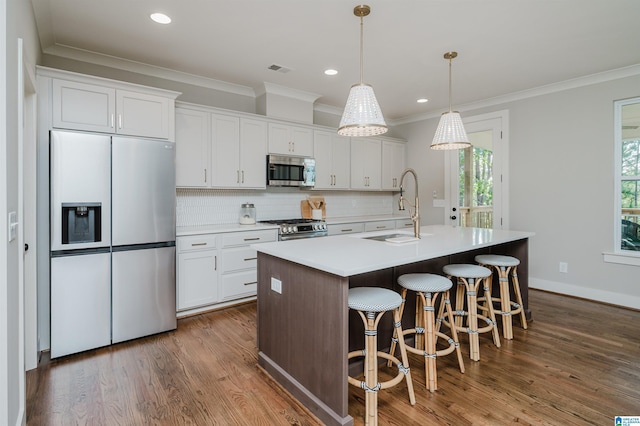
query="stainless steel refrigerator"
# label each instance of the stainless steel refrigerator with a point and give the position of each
(112, 239)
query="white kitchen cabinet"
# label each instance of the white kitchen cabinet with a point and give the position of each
(366, 164)
(393, 164)
(192, 148)
(286, 139)
(238, 152)
(219, 150)
(404, 223)
(197, 271)
(100, 108)
(379, 225)
(218, 268)
(345, 228)
(332, 153)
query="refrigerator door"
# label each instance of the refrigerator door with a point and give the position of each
(80, 181)
(143, 292)
(80, 303)
(143, 180)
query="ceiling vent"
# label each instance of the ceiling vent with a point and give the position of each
(279, 68)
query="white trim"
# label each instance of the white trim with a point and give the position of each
(150, 70)
(620, 258)
(596, 295)
(574, 83)
(276, 89)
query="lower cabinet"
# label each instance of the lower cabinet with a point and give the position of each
(218, 268)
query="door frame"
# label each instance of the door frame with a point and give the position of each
(500, 168)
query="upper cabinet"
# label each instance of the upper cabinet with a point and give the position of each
(366, 163)
(332, 153)
(80, 102)
(219, 150)
(286, 139)
(393, 164)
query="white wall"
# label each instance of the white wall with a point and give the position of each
(16, 21)
(561, 186)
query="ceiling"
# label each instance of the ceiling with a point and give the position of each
(504, 46)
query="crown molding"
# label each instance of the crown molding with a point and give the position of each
(276, 89)
(588, 80)
(146, 69)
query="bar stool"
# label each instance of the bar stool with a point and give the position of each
(371, 304)
(469, 278)
(428, 287)
(506, 266)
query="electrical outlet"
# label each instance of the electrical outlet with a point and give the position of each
(276, 285)
(563, 267)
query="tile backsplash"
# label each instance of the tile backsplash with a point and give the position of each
(196, 207)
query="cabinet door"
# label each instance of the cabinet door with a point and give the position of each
(332, 153)
(197, 279)
(323, 153)
(341, 162)
(365, 163)
(393, 161)
(225, 151)
(192, 148)
(290, 140)
(83, 106)
(141, 114)
(253, 153)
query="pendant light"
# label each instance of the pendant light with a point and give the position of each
(362, 115)
(450, 133)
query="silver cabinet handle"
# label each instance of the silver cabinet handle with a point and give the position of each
(252, 239)
(253, 282)
(381, 227)
(346, 230)
(250, 258)
(113, 120)
(237, 176)
(205, 175)
(120, 121)
(243, 176)
(294, 146)
(198, 244)
(215, 263)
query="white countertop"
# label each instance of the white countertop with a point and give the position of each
(182, 231)
(347, 255)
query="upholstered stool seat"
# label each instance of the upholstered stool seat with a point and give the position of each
(371, 303)
(469, 278)
(428, 287)
(506, 267)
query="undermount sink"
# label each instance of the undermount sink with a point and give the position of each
(396, 237)
(385, 237)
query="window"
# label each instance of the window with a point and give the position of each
(627, 125)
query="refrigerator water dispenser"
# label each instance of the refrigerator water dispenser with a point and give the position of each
(81, 223)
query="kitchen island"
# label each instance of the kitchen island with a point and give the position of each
(304, 326)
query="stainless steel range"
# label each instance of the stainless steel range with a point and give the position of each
(293, 229)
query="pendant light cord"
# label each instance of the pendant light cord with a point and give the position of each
(450, 59)
(361, 43)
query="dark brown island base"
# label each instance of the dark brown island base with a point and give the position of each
(305, 329)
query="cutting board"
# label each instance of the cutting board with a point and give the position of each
(305, 207)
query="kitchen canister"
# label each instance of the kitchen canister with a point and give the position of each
(247, 214)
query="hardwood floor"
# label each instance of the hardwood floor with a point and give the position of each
(578, 364)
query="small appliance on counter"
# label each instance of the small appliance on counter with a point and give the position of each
(247, 214)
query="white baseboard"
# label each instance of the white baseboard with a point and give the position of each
(586, 293)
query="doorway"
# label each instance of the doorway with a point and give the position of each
(476, 179)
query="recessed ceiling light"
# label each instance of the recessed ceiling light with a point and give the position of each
(160, 18)
(331, 72)
(423, 100)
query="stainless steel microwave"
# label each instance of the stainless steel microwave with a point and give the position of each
(285, 170)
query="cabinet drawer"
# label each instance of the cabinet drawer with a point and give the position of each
(345, 228)
(196, 242)
(379, 225)
(404, 223)
(241, 284)
(237, 259)
(251, 237)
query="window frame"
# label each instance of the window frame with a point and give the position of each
(627, 257)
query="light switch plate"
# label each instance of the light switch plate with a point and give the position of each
(276, 285)
(13, 226)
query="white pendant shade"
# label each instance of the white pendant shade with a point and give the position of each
(362, 115)
(450, 133)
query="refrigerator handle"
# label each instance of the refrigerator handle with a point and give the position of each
(215, 263)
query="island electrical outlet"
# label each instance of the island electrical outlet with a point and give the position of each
(276, 285)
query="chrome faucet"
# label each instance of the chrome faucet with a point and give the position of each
(415, 217)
